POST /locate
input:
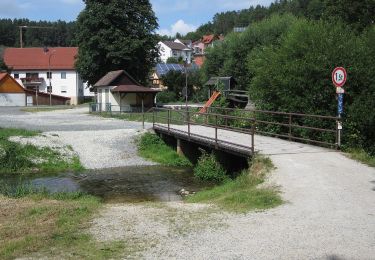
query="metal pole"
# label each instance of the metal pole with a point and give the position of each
(153, 118)
(252, 137)
(143, 114)
(169, 119)
(290, 127)
(216, 146)
(188, 121)
(21, 40)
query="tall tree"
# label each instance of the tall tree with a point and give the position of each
(116, 34)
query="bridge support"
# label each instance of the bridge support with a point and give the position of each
(179, 147)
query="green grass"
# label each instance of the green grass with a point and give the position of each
(361, 156)
(243, 194)
(45, 109)
(152, 147)
(51, 225)
(16, 158)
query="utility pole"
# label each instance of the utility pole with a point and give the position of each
(49, 74)
(21, 27)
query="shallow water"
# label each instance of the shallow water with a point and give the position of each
(126, 184)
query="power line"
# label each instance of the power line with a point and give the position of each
(33, 27)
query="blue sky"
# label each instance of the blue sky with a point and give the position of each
(174, 15)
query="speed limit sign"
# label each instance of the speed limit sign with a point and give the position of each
(339, 77)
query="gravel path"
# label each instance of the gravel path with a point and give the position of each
(329, 213)
(99, 142)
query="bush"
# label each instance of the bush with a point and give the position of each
(166, 97)
(209, 169)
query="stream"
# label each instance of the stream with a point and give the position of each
(115, 185)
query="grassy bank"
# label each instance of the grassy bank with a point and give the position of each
(361, 156)
(41, 225)
(16, 158)
(243, 193)
(45, 108)
(152, 147)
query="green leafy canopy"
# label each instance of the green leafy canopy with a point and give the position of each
(116, 34)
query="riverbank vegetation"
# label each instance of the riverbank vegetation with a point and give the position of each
(16, 158)
(238, 195)
(151, 146)
(243, 193)
(37, 224)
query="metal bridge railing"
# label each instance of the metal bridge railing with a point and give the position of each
(183, 120)
(307, 128)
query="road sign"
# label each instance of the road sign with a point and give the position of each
(340, 104)
(339, 76)
(340, 90)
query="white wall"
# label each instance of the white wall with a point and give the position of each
(12, 99)
(114, 99)
(71, 86)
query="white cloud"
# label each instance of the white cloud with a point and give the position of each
(179, 27)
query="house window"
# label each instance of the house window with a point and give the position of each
(32, 75)
(63, 75)
(16, 75)
(64, 89)
(49, 75)
(174, 53)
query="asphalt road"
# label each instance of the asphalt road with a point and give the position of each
(77, 119)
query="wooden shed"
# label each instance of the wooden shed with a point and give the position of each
(13, 94)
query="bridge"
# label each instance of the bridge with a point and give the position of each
(243, 132)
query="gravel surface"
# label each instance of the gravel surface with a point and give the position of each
(99, 142)
(329, 213)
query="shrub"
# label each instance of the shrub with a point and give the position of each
(166, 97)
(209, 169)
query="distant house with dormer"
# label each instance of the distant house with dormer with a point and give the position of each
(176, 49)
(200, 46)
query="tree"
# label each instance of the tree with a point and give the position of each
(358, 13)
(3, 66)
(116, 34)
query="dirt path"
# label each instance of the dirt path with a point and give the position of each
(329, 214)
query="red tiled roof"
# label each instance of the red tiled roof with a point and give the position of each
(208, 38)
(3, 75)
(37, 59)
(133, 89)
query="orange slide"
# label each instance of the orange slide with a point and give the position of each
(212, 99)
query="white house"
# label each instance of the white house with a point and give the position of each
(176, 49)
(117, 91)
(37, 68)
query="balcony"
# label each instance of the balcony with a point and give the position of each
(32, 82)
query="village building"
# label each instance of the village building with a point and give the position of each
(117, 91)
(175, 49)
(200, 46)
(38, 68)
(13, 93)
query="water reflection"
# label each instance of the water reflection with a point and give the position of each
(126, 184)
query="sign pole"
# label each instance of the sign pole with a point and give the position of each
(339, 76)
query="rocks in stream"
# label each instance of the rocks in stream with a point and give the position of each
(184, 192)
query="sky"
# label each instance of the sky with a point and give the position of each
(174, 16)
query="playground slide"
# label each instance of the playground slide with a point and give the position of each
(212, 99)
